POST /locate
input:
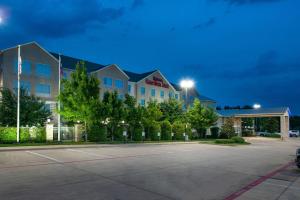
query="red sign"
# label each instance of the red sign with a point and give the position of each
(157, 82)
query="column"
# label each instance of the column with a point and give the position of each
(49, 132)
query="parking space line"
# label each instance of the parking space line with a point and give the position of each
(44, 156)
(89, 153)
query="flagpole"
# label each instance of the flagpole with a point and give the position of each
(58, 119)
(18, 103)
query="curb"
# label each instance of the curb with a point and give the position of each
(62, 146)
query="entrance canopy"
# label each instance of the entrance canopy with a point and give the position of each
(237, 114)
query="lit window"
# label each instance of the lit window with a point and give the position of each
(43, 70)
(119, 84)
(142, 102)
(24, 85)
(42, 90)
(162, 94)
(171, 95)
(143, 90)
(176, 96)
(129, 88)
(153, 92)
(107, 81)
(26, 67)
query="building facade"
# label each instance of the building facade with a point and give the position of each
(40, 72)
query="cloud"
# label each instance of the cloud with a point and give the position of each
(211, 21)
(267, 66)
(55, 19)
(137, 3)
(243, 2)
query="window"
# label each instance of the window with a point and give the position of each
(129, 88)
(176, 96)
(142, 102)
(183, 96)
(143, 90)
(119, 84)
(107, 81)
(153, 92)
(26, 67)
(23, 84)
(171, 95)
(43, 90)
(43, 70)
(162, 94)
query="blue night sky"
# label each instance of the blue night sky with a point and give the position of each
(238, 51)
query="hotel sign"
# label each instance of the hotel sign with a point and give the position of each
(157, 82)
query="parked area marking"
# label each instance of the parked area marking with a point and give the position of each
(44, 156)
(257, 182)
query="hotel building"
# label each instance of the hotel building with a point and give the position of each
(40, 77)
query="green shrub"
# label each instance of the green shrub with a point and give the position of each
(118, 133)
(8, 135)
(34, 134)
(137, 133)
(166, 129)
(154, 128)
(224, 141)
(237, 139)
(97, 133)
(178, 129)
(214, 132)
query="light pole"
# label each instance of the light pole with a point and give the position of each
(256, 106)
(186, 84)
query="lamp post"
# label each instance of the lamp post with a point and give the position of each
(256, 106)
(186, 84)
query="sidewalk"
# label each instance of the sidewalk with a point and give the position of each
(281, 184)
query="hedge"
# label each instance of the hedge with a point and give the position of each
(224, 141)
(178, 129)
(154, 129)
(166, 130)
(33, 134)
(237, 139)
(137, 133)
(97, 133)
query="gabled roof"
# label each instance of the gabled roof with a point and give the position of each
(260, 111)
(135, 77)
(70, 63)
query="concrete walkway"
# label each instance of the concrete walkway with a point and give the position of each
(281, 184)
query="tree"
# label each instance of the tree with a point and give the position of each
(172, 110)
(134, 114)
(115, 111)
(227, 129)
(33, 111)
(80, 96)
(201, 117)
(151, 116)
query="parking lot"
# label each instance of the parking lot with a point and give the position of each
(142, 171)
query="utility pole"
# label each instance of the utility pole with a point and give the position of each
(58, 118)
(18, 103)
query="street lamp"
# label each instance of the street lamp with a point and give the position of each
(186, 84)
(256, 106)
